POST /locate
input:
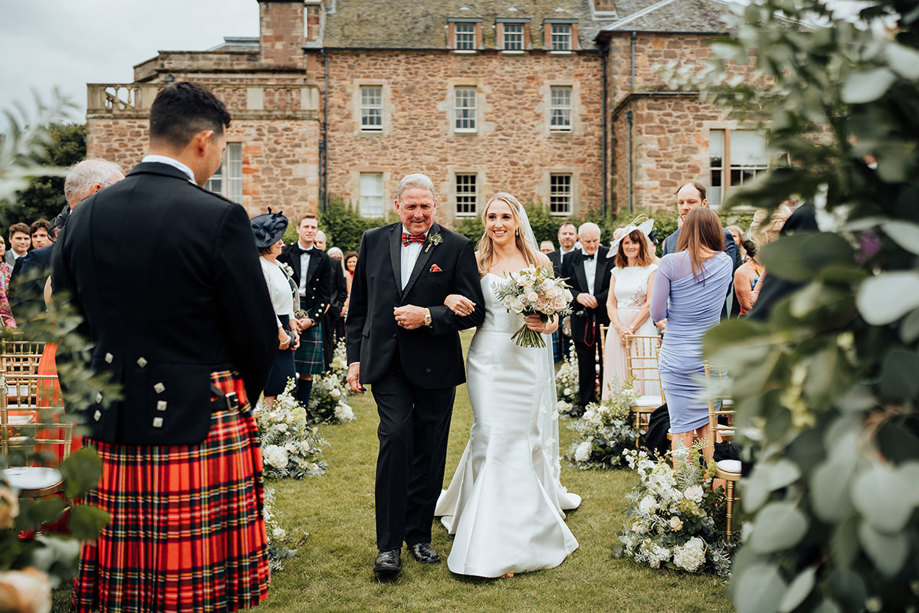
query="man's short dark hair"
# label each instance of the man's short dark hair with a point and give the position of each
(567, 223)
(19, 227)
(183, 109)
(38, 224)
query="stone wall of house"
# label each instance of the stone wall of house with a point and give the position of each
(513, 148)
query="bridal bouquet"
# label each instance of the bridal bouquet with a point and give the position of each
(533, 291)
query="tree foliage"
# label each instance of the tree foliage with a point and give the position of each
(826, 391)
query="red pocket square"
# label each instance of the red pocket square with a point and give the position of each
(435, 268)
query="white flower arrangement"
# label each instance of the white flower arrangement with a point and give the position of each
(605, 431)
(566, 385)
(533, 291)
(290, 445)
(279, 542)
(329, 398)
(675, 520)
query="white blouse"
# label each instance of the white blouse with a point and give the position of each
(282, 298)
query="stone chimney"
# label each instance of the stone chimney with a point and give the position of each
(281, 33)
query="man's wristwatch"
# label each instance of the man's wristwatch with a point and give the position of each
(427, 318)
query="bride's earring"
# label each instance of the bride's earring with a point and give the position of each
(517, 232)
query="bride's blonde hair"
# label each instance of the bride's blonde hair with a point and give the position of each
(485, 247)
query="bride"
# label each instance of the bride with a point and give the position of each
(505, 501)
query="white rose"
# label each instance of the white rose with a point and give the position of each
(691, 555)
(676, 524)
(335, 393)
(582, 453)
(647, 505)
(567, 391)
(279, 533)
(532, 297)
(694, 493)
(275, 456)
(343, 412)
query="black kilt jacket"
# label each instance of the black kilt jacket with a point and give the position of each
(431, 356)
(167, 278)
(319, 287)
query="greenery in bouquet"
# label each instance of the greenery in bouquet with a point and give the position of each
(675, 519)
(281, 545)
(533, 291)
(291, 446)
(566, 385)
(329, 398)
(605, 431)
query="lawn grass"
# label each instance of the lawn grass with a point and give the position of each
(332, 569)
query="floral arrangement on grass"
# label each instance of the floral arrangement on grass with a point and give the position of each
(566, 385)
(329, 398)
(279, 541)
(290, 445)
(533, 291)
(605, 431)
(675, 520)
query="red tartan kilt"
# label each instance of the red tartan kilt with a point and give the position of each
(187, 530)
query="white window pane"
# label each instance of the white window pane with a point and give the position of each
(466, 194)
(748, 149)
(371, 108)
(465, 36)
(234, 166)
(561, 37)
(371, 199)
(513, 36)
(560, 193)
(465, 102)
(560, 105)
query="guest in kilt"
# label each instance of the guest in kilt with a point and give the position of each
(268, 230)
(166, 277)
(313, 276)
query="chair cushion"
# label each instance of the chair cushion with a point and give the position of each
(32, 477)
(729, 466)
(648, 401)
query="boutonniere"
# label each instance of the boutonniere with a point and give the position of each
(433, 239)
(286, 268)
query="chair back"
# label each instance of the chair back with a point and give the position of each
(718, 405)
(32, 416)
(20, 356)
(641, 364)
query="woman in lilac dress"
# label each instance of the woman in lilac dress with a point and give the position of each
(689, 292)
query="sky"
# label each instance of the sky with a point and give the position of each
(68, 43)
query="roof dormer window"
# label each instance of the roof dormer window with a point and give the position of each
(465, 35)
(561, 35)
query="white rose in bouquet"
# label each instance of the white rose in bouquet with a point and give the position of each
(647, 505)
(335, 393)
(582, 453)
(694, 493)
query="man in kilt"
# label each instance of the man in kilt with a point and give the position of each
(167, 278)
(313, 276)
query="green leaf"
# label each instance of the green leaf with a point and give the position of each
(904, 60)
(86, 521)
(903, 233)
(881, 495)
(782, 474)
(829, 489)
(778, 526)
(888, 297)
(800, 256)
(844, 543)
(898, 374)
(888, 552)
(909, 329)
(759, 589)
(82, 471)
(867, 86)
(35, 512)
(798, 590)
(827, 606)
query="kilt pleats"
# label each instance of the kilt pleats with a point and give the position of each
(308, 356)
(187, 530)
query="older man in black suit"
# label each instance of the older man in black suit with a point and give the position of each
(166, 276)
(403, 342)
(588, 273)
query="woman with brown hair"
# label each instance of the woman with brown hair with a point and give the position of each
(689, 291)
(629, 300)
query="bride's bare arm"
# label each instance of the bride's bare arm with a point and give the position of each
(459, 304)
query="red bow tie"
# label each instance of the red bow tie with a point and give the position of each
(408, 239)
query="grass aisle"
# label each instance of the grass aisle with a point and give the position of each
(332, 569)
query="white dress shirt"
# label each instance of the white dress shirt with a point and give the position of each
(304, 268)
(590, 271)
(162, 159)
(410, 255)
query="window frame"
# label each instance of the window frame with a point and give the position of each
(473, 108)
(566, 110)
(505, 33)
(456, 35)
(362, 107)
(569, 35)
(459, 193)
(362, 195)
(553, 195)
(231, 185)
(721, 189)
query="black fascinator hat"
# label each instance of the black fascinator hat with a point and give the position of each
(268, 228)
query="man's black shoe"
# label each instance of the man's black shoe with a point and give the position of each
(424, 553)
(388, 563)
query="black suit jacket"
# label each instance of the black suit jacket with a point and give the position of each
(583, 318)
(432, 357)
(318, 278)
(166, 276)
(27, 283)
(339, 290)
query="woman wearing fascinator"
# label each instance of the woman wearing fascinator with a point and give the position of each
(629, 300)
(268, 229)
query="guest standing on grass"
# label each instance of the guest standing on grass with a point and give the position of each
(689, 291)
(166, 277)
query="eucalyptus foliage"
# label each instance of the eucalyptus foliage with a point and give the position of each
(826, 390)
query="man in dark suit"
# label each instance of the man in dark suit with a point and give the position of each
(688, 197)
(588, 273)
(403, 341)
(336, 301)
(567, 237)
(313, 276)
(167, 279)
(20, 242)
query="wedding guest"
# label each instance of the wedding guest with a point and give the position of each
(764, 229)
(350, 263)
(313, 276)
(20, 242)
(588, 272)
(547, 247)
(737, 235)
(567, 239)
(746, 280)
(628, 302)
(40, 233)
(336, 254)
(181, 321)
(6, 269)
(689, 290)
(331, 320)
(319, 241)
(268, 230)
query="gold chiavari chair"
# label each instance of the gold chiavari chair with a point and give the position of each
(32, 420)
(20, 356)
(641, 355)
(721, 428)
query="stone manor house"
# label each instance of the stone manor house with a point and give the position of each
(556, 101)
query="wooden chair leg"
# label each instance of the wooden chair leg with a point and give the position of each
(729, 497)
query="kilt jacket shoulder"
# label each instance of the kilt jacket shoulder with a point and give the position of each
(166, 277)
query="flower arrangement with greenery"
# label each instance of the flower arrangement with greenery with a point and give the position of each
(566, 385)
(291, 446)
(329, 398)
(605, 431)
(281, 545)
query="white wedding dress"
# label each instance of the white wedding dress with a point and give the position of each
(504, 504)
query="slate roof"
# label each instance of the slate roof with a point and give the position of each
(670, 16)
(422, 24)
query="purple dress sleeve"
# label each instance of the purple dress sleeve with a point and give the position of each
(661, 292)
